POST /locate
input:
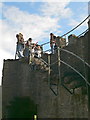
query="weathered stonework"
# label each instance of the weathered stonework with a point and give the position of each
(34, 84)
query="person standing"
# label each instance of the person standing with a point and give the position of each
(39, 51)
(20, 45)
(28, 47)
(52, 42)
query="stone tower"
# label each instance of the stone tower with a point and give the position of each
(23, 82)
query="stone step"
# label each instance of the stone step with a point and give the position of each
(74, 84)
(69, 81)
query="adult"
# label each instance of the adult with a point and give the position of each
(28, 47)
(20, 45)
(52, 42)
(39, 51)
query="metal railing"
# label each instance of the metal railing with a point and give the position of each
(61, 61)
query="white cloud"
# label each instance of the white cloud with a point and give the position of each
(1, 5)
(75, 22)
(7, 37)
(57, 9)
(30, 25)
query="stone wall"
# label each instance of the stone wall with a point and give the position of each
(20, 80)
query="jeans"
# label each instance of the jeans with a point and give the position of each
(52, 49)
(26, 52)
(19, 50)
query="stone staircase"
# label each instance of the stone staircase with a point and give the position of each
(39, 64)
(70, 81)
(73, 81)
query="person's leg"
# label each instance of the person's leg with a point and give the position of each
(18, 50)
(30, 57)
(39, 54)
(52, 49)
(26, 52)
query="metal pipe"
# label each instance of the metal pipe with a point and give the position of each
(76, 71)
(75, 56)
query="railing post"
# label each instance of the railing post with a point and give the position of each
(49, 69)
(30, 58)
(59, 65)
(30, 55)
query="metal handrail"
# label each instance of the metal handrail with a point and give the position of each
(75, 56)
(83, 32)
(70, 30)
(42, 60)
(76, 71)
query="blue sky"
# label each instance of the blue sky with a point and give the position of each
(79, 11)
(31, 7)
(37, 20)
